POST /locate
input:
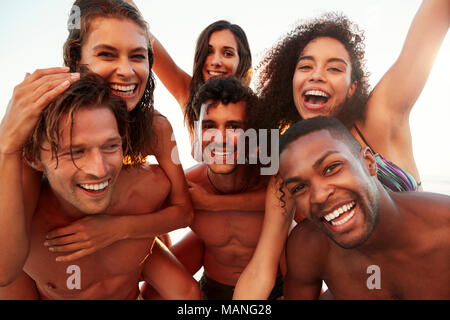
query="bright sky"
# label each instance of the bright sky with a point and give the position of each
(32, 34)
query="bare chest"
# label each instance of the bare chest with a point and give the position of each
(222, 229)
(99, 273)
(422, 276)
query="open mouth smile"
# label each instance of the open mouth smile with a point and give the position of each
(341, 215)
(315, 99)
(125, 91)
(216, 73)
(95, 189)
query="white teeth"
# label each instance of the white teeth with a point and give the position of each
(316, 93)
(336, 213)
(344, 220)
(213, 73)
(95, 187)
(221, 154)
(126, 89)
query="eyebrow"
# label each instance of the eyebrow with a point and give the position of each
(316, 164)
(108, 47)
(82, 145)
(236, 122)
(225, 47)
(328, 61)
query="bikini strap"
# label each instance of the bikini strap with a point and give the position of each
(362, 137)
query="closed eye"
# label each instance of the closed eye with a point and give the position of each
(105, 54)
(304, 67)
(139, 57)
(112, 147)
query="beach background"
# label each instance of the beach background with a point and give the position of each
(32, 34)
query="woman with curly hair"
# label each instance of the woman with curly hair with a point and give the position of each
(318, 69)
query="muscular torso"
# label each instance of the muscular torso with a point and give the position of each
(415, 274)
(418, 268)
(110, 273)
(229, 237)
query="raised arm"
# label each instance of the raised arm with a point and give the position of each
(258, 278)
(19, 184)
(173, 77)
(394, 96)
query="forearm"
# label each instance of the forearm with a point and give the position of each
(14, 242)
(156, 223)
(173, 77)
(413, 66)
(258, 278)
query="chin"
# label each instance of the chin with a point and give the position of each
(222, 168)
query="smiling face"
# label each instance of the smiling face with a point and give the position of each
(322, 78)
(83, 179)
(117, 50)
(222, 126)
(223, 58)
(331, 187)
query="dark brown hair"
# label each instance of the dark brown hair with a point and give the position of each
(141, 116)
(91, 91)
(276, 70)
(244, 69)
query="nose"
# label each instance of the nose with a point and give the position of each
(124, 68)
(317, 75)
(95, 164)
(216, 59)
(320, 192)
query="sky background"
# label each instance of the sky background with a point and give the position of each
(32, 34)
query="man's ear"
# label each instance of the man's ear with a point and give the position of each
(369, 160)
(36, 164)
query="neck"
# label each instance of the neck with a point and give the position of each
(64, 209)
(235, 182)
(389, 232)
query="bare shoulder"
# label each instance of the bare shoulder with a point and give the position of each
(133, 179)
(307, 245)
(432, 209)
(160, 123)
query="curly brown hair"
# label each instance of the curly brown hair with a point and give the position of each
(141, 116)
(276, 70)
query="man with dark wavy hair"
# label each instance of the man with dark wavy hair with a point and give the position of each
(223, 240)
(79, 144)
